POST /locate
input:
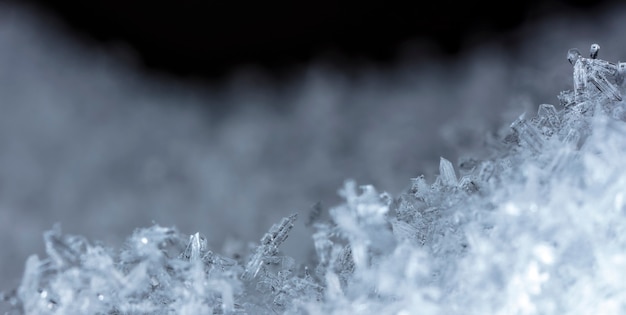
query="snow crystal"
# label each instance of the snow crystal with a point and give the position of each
(537, 227)
(594, 50)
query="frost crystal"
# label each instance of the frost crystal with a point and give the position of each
(599, 73)
(446, 171)
(268, 249)
(594, 50)
(537, 227)
(528, 134)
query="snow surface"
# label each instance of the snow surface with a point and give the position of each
(527, 222)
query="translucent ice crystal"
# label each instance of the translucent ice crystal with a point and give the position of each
(537, 227)
(528, 134)
(549, 121)
(269, 246)
(594, 72)
(446, 173)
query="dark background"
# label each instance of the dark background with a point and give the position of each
(208, 39)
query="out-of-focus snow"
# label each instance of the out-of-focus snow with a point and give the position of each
(91, 143)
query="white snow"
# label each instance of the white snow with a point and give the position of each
(536, 225)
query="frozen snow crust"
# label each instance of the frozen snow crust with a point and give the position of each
(536, 228)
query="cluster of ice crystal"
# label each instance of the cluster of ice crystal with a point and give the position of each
(536, 228)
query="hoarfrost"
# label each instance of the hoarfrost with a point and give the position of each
(535, 228)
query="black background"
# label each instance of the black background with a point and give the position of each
(209, 39)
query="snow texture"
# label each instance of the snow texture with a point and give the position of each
(536, 227)
(530, 219)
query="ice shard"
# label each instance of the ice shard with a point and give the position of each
(573, 55)
(446, 173)
(549, 121)
(529, 134)
(598, 73)
(270, 242)
(196, 248)
(594, 50)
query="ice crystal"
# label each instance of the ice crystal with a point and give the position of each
(269, 246)
(537, 227)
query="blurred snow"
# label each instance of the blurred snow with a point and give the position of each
(91, 142)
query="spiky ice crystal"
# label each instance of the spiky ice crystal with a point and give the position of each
(537, 228)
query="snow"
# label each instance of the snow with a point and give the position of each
(534, 225)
